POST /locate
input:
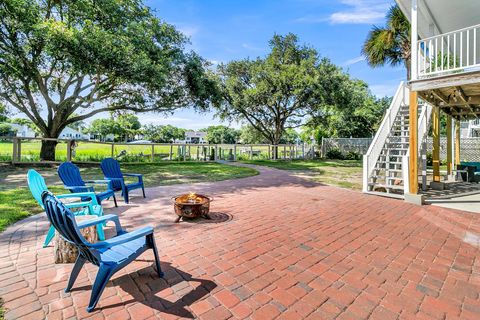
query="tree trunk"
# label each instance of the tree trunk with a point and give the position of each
(47, 152)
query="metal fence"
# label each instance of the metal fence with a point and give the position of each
(345, 145)
(27, 150)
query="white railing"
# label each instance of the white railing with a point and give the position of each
(453, 52)
(371, 157)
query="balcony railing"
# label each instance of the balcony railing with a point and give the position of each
(449, 53)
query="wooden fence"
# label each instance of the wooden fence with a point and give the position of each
(27, 150)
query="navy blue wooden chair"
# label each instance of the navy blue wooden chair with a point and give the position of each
(111, 171)
(110, 255)
(72, 180)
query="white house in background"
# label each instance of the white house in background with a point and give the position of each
(22, 130)
(69, 133)
(470, 129)
(194, 137)
(108, 138)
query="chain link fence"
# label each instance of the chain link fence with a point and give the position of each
(469, 148)
(345, 145)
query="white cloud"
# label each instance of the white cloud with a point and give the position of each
(188, 30)
(360, 11)
(356, 12)
(354, 61)
(251, 48)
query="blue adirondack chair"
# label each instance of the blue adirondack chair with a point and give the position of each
(110, 255)
(72, 180)
(87, 205)
(111, 171)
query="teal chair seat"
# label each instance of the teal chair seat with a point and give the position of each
(86, 203)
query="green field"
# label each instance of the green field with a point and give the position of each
(340, 173)
(89, 151)
(17, 203)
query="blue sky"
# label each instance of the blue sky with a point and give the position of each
(225, 30)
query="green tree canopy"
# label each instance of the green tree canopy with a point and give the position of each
(3, 113)
(278, 92)
(359, 120)
(58, 58)
(221, 134)
(163, 133)
(250, 135)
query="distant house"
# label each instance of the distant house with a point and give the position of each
(22, 130)
(470, 129)
(97, 137)
(70, 133)
(196, 137)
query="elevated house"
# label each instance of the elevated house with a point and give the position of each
(445, 79)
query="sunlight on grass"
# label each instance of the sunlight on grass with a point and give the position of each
(340, 173)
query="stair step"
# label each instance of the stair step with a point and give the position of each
(392, 187)
(390, 162)
(395, 170)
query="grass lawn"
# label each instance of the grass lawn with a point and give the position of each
(17, 203)
(340, 173)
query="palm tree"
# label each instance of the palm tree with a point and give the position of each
(389, 44)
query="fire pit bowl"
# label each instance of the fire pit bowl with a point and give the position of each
(191, 206)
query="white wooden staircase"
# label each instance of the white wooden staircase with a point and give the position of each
(385, 165)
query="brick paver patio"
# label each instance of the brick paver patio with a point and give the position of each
(278, 247)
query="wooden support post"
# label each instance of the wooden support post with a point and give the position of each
(284, 152)
(184, 150)
(235, 152)
(216, 153)
(269, 152)
(113, 150)
(171, 151)
(303, 150)
(251, 152)
(436, 143)
(153, 152)
(19, 150)
(69, 150)
(198, 153)
(15, 150)
(413, 142)
(449, 145)
(457, 142)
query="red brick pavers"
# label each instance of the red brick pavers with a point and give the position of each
(278, 247)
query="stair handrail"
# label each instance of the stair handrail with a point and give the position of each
(371, 157)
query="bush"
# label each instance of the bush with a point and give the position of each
(335, 154)
(352, 155)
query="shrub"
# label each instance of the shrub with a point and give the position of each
(353, 155)
(334, 154)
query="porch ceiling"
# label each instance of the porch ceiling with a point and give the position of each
(446, 15)
(462, 102)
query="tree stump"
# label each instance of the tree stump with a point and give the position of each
(66, 252)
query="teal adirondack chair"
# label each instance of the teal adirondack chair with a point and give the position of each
(37, 186)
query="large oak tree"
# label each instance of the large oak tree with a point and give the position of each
(282, 90)
(63, 61)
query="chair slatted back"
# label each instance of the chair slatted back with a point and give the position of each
(63, 220)
(37, 185)
(70, 176)
(111, 169)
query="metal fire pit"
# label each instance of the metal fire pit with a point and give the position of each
(192, 205)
